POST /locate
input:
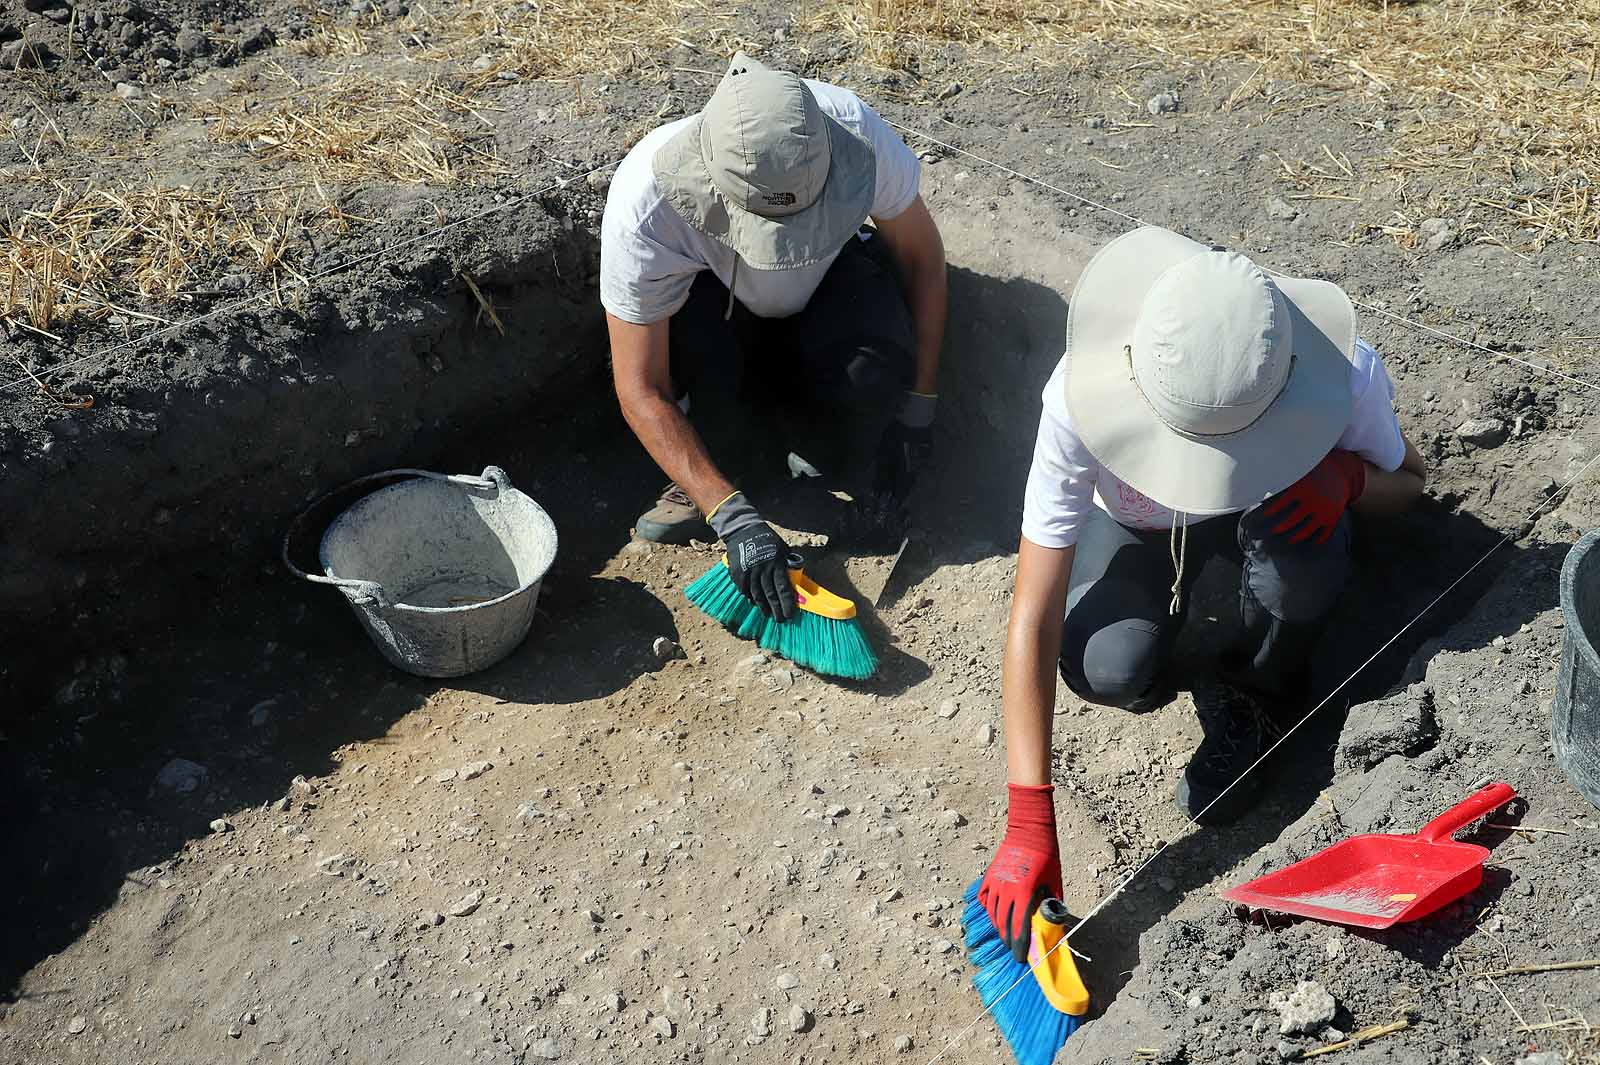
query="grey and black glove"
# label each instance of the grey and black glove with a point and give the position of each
(906, 447)
(757, 557)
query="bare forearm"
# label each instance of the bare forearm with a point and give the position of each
(927, 296)
(1028, 696)
(918, 252)
(677, 448)
(1033, 647)
(1388, 492)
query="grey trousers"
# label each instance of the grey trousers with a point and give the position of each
(1120, 633)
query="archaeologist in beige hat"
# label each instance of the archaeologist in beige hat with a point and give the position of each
(743, 290)
(1203, 407)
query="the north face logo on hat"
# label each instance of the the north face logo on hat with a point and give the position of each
(778, 199)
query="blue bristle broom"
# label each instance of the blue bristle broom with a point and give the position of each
(1036, 1004)
(824, 636)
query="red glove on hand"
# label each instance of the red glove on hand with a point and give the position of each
(1026, 869)
(1313, 505)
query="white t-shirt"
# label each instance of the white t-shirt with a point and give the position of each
(649, 255)
(1066, 480)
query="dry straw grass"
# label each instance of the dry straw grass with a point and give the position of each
(355, 128)
(95, 249)
(1521, 75)
(526, 39)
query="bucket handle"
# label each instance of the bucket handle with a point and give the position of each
(492, 479)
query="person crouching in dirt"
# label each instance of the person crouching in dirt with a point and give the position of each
(1203, 407)
(736, 271)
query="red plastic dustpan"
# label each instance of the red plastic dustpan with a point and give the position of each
(1377, 880)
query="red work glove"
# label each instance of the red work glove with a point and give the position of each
(1026, 869)
(1313, 505)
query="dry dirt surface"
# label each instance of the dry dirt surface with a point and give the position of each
(233, 834)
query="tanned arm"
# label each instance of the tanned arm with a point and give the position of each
(918, 251)
(1033, 647)
(642, 375)
(1389, 492)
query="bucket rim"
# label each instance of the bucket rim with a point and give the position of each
(1575, 631)
(541, 515)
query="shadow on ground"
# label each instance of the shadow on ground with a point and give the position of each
(1403, 566)
(270, 680)
(283, 678)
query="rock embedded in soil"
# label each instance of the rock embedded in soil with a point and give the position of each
(1437, 234)
(1281, 209)
(191, 42)
(1482, 432)
(467, 905)
(546, 1049)
(1403, 723)
(221, 825)
(663, 1026)
(903, 1044)
(761, 1023)
(182, 777)
(1306, 1009)
(76, 1026)
(799, 1018)
(24, 55)
(474, 770)
(1162, 104)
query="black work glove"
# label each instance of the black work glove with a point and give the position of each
(757, 557)
(905, 449)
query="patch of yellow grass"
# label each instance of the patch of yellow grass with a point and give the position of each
(1521, 74)
(96, 250)
(354, 128)
(529, 39)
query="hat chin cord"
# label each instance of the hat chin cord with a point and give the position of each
(1178, 546)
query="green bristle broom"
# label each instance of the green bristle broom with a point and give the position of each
(825, 636)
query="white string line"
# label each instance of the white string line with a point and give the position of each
(305, 282)
(1139, 221)
(1559, 494)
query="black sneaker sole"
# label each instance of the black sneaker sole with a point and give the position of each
(677, 534)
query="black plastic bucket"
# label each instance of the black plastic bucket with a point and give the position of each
(1575, 717)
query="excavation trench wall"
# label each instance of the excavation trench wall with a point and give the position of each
(200, 447)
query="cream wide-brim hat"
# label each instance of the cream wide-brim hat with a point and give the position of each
(1199, 379)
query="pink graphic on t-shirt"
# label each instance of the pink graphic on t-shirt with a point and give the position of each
(1135, 504)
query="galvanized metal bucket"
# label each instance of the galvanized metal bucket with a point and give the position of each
(442, 570)
(1575, 715)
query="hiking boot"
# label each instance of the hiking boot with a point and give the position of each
(1219, 786)
(673, 520)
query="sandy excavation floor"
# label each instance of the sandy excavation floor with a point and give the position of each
(234, 835)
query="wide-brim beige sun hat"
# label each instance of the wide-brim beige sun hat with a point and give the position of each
(1201, 380)
(765, 171)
